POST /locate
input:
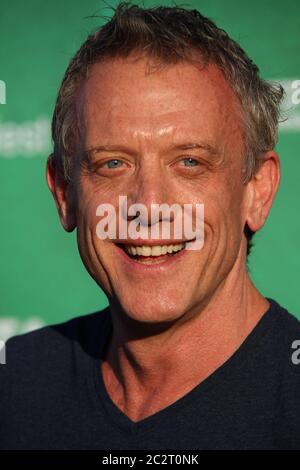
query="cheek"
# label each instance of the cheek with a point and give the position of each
(87, 220)
(229, 196)
(90, 196)
(91, 248)
(223, 215)
(87, 214)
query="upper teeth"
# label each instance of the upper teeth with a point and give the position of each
(156, 250)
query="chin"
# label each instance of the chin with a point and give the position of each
(153, 312)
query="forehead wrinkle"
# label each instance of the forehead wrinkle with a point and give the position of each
(163, 138)
(208, 119)
(151, 101)
(134, 134)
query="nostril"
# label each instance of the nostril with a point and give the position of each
(132, 217)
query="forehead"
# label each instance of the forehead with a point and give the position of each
(121, 100)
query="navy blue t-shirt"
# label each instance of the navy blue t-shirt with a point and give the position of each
(52, 395)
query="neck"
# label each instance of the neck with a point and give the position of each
(177, 358)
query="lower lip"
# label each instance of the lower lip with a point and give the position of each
(164, 265)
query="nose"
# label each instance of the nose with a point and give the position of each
(150, 187)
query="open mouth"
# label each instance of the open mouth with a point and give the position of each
(155, 254)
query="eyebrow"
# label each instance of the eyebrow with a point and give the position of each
(109, 148)
(185, 146)
(197, 145)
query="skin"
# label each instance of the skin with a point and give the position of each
(173, 327)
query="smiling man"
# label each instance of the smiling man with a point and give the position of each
(162, 107)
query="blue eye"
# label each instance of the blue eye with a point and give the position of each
(190, 161)
(113, 163)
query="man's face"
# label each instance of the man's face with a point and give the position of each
(149, 121)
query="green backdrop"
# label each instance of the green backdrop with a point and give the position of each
(42, 277)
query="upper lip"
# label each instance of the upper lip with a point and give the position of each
(141, 242)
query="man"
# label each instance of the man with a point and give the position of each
(161, 106)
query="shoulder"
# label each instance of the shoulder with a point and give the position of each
(286, 361)
(52, 345)
(285, 341)
(287, 331)
(45, 378)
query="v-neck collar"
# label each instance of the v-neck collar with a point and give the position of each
(234, 362)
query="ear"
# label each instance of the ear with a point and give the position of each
(261, 190)
(63, 195)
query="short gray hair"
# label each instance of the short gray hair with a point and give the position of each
(170, 34)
